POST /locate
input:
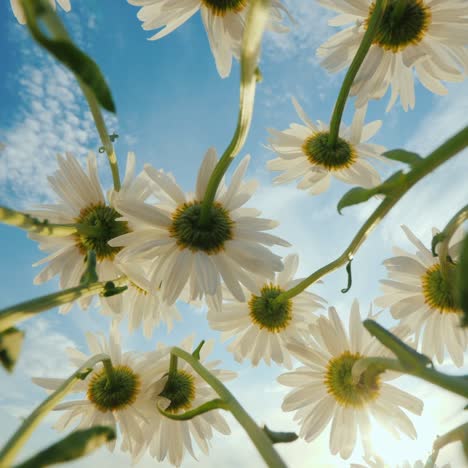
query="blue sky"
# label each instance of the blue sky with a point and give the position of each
(172, 106)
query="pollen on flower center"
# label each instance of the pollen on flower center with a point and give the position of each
(437, 291)
(115, 393)
(100, 225)
(267, 313)
(180, 390)
(399, 29)
(319, 152)
(339, 382)
(209, 238)
(222, 7)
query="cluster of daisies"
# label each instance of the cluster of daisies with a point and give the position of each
(169, 248)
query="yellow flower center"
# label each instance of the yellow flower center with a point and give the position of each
(340, 384)
(331, 158)
(114, 393)
(437, 291)
(267, 313)
(403, 23)
(222, 7)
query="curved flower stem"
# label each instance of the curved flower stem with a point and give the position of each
(443, 153)
(448, 232)
(256, 434)
(251, 41)
(452, 383)
(28, 223)
(58, 30)
(459, 434)
(353, 70)
(217, 403)
(19, 438)
(25, 310)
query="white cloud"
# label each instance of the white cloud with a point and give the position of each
(51, 118)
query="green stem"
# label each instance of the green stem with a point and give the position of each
(205, 408)
(399, 7)
(452, 383)
(173, 366)
(256, 22)
(459, 434)
(19, 438)
(449, 230)
(109, 369)
(20, 312)
(256, 434)
(443, 153)
(353, 70)
(28, 223)
(58, 30)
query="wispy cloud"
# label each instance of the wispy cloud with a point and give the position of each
(51, 117)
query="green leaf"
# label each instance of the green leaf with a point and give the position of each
(408, 357)
(350, 278)
(359, 194)
(461, 282)
(280, 437)
(76, 445)
(11, 341)
(66, 52)
(355, 196)
(401, 155)
(110, 289)
(439, 237)
(196, 352)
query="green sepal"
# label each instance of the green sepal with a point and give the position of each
(11, 341)
(439, 237)
(461, 282)
(401, 155)
(360, 194)
(409, 358)
(66, 52)
(280, 437)
(76, 445)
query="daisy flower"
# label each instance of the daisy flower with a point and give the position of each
(419, 296)
(182, 392)
(117, 402)
(428, 36)
(142, 305)
(19, 13)
(81, 201)
(181, 252)
(304, 153)
(261, 328)
(324, 390)
(224, 22)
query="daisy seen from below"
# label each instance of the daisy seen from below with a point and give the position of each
(82, 201)
(261, 329)
(19, 13)
(182, 252)
(142, 305)
(119, 401)
(324, 390)
(224, 21)
(184, 390)
(428, 36)
(304, 153)
(419, 296)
